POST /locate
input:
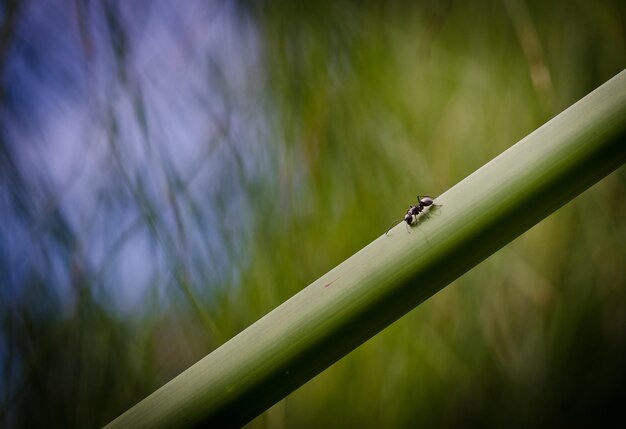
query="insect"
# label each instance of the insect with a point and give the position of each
(411, 214)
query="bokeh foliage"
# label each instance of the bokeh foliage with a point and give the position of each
(345, 113)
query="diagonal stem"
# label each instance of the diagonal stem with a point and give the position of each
(397, 271)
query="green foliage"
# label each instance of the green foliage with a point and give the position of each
(364, 107)
(387, 278)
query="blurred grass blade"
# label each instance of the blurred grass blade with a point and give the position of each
(393, 274)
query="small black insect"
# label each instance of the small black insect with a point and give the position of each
(411, 214)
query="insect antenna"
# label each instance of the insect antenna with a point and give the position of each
(394, 223)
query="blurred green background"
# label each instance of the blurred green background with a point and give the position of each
(170, 172)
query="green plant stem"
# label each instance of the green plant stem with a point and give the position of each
(394, 273)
